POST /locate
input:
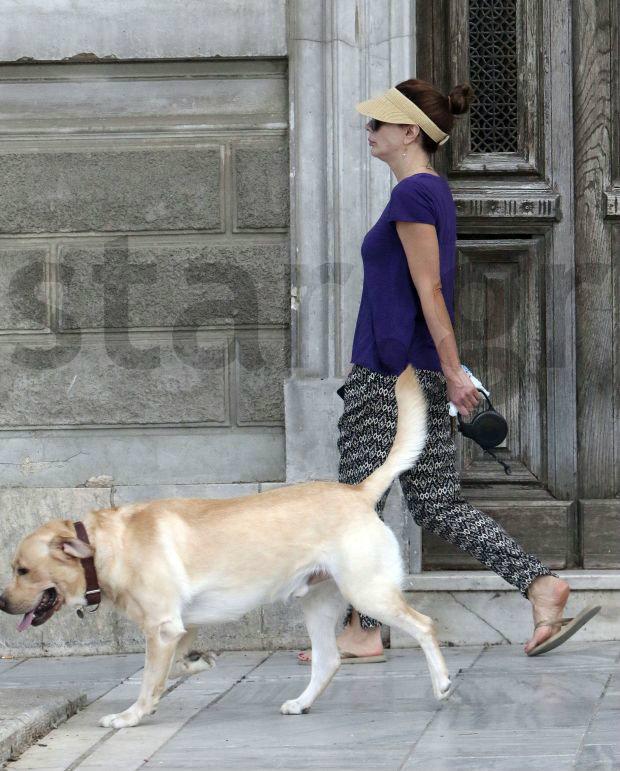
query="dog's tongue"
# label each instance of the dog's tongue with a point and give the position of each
(26, 621)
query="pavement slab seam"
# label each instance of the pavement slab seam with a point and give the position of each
(40, 722)
(79, 761)
(37, 724)
(590, 723)
(91, 750)
(8, 668)
(458, 676)
(237, 682)
(103, 739)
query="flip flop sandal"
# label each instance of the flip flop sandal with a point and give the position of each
(351, 658)
(569, 627)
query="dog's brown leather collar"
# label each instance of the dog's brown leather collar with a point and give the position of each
(93, 592)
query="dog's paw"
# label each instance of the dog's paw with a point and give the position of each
(204, 660)
(192, 663)
(126, 719)
(443, 690)
(293, 707)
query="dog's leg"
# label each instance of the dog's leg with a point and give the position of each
(370, 577)
(161, 643)
(388, 605)
(322, 606)
(187, 660)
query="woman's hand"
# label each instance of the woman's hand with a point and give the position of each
(463, 393)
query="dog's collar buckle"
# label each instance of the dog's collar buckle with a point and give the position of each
(93, 592)
(80, 611)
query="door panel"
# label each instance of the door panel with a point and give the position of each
(509, 164)
(501, 327)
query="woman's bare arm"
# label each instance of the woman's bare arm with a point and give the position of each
(420, 243)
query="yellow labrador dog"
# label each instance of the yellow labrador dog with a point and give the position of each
(173, 565)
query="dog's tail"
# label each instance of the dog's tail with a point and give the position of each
(410, 436)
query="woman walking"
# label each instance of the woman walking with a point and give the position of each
(406, 315)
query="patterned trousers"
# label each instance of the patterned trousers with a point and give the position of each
(432, 488)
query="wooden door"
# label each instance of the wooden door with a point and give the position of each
(510, 165)
(596, 87)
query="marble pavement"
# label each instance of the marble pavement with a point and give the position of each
(558, 712)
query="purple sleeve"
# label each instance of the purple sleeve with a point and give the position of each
(410, 203)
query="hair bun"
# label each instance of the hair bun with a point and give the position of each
(460, 98)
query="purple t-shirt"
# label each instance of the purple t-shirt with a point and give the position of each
(391, 331)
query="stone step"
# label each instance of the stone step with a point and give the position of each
(478, 607)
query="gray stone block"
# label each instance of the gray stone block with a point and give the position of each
(262, 364)
(137, 493)
(283, 626)
(22, 509)
(267, 628)
(262, 189)
(23, 303)
(65, 634)
(145, 95)
(142, 455)
(144, 30)
(396, 516)
(113, 380)
(109, 190)
(312, 410)
(244, 634)
(118, 285)
(265, 486)
(247, 633)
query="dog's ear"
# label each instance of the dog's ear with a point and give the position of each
(62, 545)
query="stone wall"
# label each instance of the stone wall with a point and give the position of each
(144, 265)
(144, 268)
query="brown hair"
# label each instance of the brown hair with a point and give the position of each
(439, 108)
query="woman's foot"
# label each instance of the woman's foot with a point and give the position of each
(548, 596)
(355, 640)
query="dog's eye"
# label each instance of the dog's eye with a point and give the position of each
(22, 571)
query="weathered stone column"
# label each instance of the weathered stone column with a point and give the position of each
(340, 52)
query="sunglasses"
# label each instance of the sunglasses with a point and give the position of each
(374, 124)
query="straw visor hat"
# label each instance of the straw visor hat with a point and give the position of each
(394, 107)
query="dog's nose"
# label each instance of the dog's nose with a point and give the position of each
(2, 603)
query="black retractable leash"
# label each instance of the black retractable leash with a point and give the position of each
(488, 429)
